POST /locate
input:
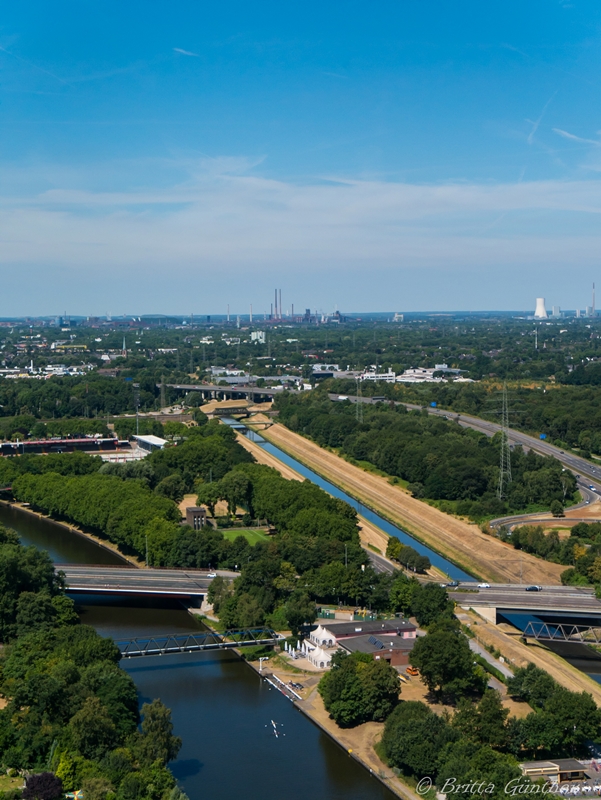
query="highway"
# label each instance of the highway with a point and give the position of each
(124, 580)
(576, 599)
(587, 473)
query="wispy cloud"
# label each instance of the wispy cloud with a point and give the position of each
(185, 52)
(537, 122)
(32, 65)
(573, 137)
(220, 216)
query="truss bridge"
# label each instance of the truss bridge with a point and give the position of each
(168, 644)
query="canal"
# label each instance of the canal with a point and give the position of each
(221, 708)
(442, 563)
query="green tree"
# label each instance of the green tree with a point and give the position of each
(219, 590)
(557, 508)
(299, 610)
(208, 495)
(358, 688)
(446, 664)
(485, 722)
(414, 737)
(97, 788)
(430, 601)
(157, 743)
(92, 729)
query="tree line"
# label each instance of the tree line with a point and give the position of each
(71, 715)
(130, 504)
(439, 460)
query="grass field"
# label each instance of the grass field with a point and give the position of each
(7, 783)
(251, 535)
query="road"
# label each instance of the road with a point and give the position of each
(552, 598)
(123, 580)
(587, 474)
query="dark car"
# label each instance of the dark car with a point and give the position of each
(453, 584)
(534, 588)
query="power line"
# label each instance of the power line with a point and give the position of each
(505, 455)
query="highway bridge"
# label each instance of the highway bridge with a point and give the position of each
(233, 391)
(168, 644)
(561, 603)
(180, 583)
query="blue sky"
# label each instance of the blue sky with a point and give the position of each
(406, 155)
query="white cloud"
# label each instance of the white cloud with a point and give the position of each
(220, 219)
(567, 135)
(185, 52)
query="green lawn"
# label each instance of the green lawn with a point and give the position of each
(7, 783)
(251, 535)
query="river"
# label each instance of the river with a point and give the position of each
(221, 708)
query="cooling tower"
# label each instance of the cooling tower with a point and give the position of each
(541, 311)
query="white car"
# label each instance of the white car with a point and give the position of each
(484, 586)
(212, 575)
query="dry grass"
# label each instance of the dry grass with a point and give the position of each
(459, 541)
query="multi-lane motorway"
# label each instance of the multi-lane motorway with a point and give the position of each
(567, 599)
(590, 475)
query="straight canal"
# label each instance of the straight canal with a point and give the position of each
(221, 708)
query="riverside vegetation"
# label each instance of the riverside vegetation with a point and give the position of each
(313, 556)
(71, 718)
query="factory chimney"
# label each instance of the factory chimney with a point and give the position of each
(541, 311)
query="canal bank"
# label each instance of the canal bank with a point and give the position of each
(221, 709)
(440, 562)
(358, 743)
(459, 543)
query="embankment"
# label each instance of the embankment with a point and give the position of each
(460, 542)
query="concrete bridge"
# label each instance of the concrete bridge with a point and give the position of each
(180, 583)
(560, 602)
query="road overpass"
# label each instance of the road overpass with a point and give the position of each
(233, 391)
(569, 603)
(102, 580)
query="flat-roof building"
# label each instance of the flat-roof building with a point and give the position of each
(150, 442)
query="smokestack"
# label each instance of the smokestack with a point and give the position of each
(228, 312)
(593, 314)
(276, 303)
(292, 315)
(251, 313)
(541, 311)
(271, 315)
(280, 304)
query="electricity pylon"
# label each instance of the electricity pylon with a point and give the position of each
(505, 457)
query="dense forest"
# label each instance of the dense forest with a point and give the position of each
(438, 459)
(71, 715)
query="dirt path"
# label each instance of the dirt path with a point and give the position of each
(464, 544)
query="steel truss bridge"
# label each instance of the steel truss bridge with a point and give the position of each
(561, 632)
(167, 644)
